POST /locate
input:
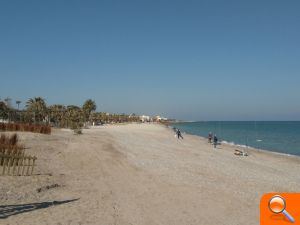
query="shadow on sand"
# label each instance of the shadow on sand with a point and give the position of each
(11, 210)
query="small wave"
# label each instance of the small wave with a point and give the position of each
(227, 142)
(234, 144)
(243, 146)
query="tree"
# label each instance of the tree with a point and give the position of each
(71, 107)
(74, 116)
(9, 110)
(88, 107)
(18, 104)
(4, 110)
(57, 114)
(37, 107)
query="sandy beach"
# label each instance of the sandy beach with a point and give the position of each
(140, 174)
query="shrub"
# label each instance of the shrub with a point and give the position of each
(78, 131)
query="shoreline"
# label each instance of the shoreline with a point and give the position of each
(223, 142)
(251, 148)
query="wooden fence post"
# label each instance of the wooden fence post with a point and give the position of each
(24, 164)
(14, 165)
(28, 165)
(4, 162)
(17, 165)
(33, 164)
(8, 164)
(20, 163)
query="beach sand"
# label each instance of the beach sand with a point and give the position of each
(140, 174)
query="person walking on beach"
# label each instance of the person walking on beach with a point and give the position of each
(209, 137)
(215, 141)
(178, 132)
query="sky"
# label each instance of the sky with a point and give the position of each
(189, 60)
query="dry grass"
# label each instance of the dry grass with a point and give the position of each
(42, 129)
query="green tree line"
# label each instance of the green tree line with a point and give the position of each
(38, 112)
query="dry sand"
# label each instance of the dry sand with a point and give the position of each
(140, 174)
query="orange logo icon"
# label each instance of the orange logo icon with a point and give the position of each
(280, 208)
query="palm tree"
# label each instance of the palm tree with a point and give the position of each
(37, 107)
(10, 110)
(18, 103)
(74, 116)
(101, 117)
(73, 107)
(3, 110)
(17, 112)
(57, 114)
(88, 107)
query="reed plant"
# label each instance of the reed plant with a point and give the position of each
(35, 128)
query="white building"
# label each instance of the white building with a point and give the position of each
(144, 118)
(159, 118)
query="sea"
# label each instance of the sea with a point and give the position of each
(281, 137)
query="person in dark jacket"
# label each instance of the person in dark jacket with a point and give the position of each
(215, 141)
(178, 132)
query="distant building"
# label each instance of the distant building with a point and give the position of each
(159, 118)
(132, 115)
(144, 118)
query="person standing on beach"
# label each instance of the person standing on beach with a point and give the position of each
(178, 132)
(215, 141)
(209, 137)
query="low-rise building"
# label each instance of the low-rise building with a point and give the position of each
(144, 118)
(159, 118)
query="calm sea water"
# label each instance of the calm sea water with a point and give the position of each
(281, 137)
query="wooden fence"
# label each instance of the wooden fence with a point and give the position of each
(16, 165)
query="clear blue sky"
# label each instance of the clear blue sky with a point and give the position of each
(193, 60)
